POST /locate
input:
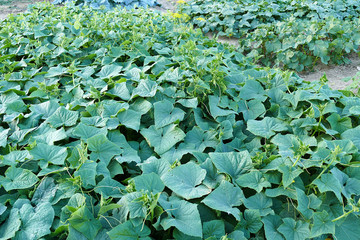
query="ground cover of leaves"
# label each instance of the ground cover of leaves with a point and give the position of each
(131, 125)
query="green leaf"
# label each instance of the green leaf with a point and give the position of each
(49, 154)
(271, 224)
(185, 217)
(253, 180)
(3, 136)
(129, 231)
(149, 182)
(289, 174)
(232, 163)
(165, 114)
(214, 228)
(35, 222)
(225, 198)
(18, 178)
(109, 71)
(83, 221)
(215, 110)
(87, 173)
(106, 208)
(353, 135)
(84, 132)
(15, 157)
(11, 225)
(109, 188)
(251, 222)
(348, 228)
(266, 127)
(339, 124)
(185, 180)
(200, 139)
(120, 90)
(45, 109)
(103, 149)
(322, 224)
(63, 117)
(328, 183)
(252, 90)
(163, 139)
(146, 88)
(189, 103)
(55, 71)
(130, 118)
(259, 202)
(306, 203)
(252, 109)
(294, 230)
(45, 192)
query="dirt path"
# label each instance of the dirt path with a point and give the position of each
(334, 73)
(14, 6)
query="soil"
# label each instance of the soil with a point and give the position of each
(14, 6)
(335, 74)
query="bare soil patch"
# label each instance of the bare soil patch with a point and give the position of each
(334, 73)
(14, 6)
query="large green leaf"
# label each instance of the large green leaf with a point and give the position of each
(328, 183)
(149, 182)
(353, 135)
(165, 114)
(164, 138)
(348, 228)
(259, 202)
(36, 222)
(266, 127)
(84, 132)
(323, 224)
(232, 163)
(225, 198)
(185, 180)
(271, 224)
(129, 231)
(18, 178)
(102, 148)
(11, 225)
(109, 71)
(185, 217)
(45, 192)
(253, 180)
(83, 221)
(87, 173)
(294, 230)
(49, 154)
(63, 117)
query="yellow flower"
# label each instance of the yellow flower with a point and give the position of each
(200, 19)
(177, 15)
(181, 2)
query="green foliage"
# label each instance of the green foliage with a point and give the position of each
(132, 125)
(236, 16)
(300, 44)
(290, 34)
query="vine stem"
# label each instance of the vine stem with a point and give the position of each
(342, 216)
(297, 160)
(327, 167)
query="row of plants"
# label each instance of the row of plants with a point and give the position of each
(291, 34)
(300, 44)
(109, 4)
(233, 17)
(132, 125)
